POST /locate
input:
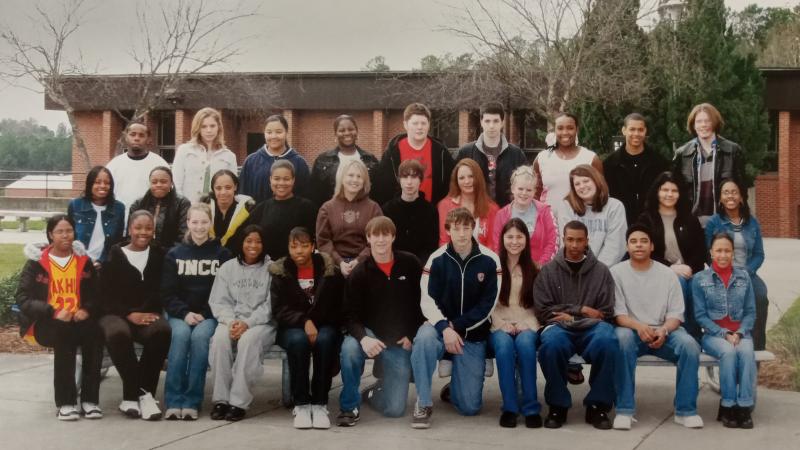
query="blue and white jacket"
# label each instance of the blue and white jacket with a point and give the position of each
(463, 292)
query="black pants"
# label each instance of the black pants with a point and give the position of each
(65, 338)
(299, 353)
(143, 374)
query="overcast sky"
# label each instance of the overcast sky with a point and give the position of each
(287, 35)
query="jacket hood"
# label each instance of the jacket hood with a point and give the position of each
(503, 143)
(392, 146)
(33, 251)
(242, 201)
(588, 264)
(279, 269)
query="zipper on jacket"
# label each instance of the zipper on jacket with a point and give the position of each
(463, 271)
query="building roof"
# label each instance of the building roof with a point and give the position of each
(42, 182)
(781, 92)
(264, 91)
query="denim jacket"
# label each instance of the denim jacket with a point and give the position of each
(713, 301)
(751, 232)
(81, 211)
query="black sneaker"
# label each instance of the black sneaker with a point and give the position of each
(598, 417)
(422, 417)
(219, 411)
(533, 421)
(575, 374)
(348, 418)
(556, 417)
(743, 417)
(444, 394)
(235, 414)
(508, 419)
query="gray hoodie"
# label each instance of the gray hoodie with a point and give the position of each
(558, 289)
(241, 292)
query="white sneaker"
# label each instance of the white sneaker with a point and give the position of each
(694, 421)
(445, 368)
(489, 370)
(173, 414)
(623, 422)
(91, 410)
(319, 417)
(68, 413)
(149, 407)
(302, 417)
(130, 409)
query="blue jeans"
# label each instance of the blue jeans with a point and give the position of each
(759, 331)
(597, 345)
(392, 396)
(679, 348)
(737, 369)
(300, 352)
(690, 324)
(466, 383)
(187, 363)
(511, 353)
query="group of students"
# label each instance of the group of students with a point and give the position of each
(467, 258)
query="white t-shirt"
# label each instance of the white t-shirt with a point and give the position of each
(555, 173)
(62, 261)
(344, 158)
(137, 259)
(98, 239)
(132, 176)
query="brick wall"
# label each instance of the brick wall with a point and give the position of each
(778, 193)
(767, 204)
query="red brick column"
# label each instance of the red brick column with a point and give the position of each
(788, 172)
(463, 127)
(183, 126)
(767, 209)
(293, 119)
(379, 132)
(513, 127)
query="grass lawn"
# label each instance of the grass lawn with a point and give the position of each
(36, 225)
(784, 339)
(11, 259)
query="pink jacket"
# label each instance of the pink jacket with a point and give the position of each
(544, 242)
(484, 235)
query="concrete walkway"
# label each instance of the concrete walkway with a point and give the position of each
(27, 420)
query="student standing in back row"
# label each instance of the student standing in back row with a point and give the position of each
(131, 170)
(415, 144)
(496, 157)
(205, 154)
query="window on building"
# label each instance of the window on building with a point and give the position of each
(166, 135)
(254, 142)
(444, 126)
(534, 131)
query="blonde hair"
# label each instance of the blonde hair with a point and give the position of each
(197, 122)
(200, 207)
(338, 192)
(520, 173)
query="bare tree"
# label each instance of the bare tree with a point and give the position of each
(179, 40)
(44, 60)
(548, 53)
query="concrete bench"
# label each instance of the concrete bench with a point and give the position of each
(706, 360)
(24, 216)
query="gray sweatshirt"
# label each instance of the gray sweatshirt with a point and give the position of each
(606, 229)
(241, 292)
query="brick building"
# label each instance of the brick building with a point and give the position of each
(309, 101)
(778, 193)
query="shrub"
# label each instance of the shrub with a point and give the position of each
(8, 288)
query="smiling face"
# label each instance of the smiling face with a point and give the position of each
(466, 180)
(492, 125)
(282, 183)
(209, 129)
(668, 195)
(346, 133)
(252, 247)
(514, 241)
(730, 197)
(352, 181)
(585, 188)
(639, 246)
(566, 131)
(141, 231)
(101, 187)
(300, 252)
(635, 132)
(522, 190)
(575, 244)
(380, 245)
(722, 252)
(275, 136)
(703, 125)
(199, 224)
(160, 183)
(224, 190)
(417, 127)
(61, 237)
